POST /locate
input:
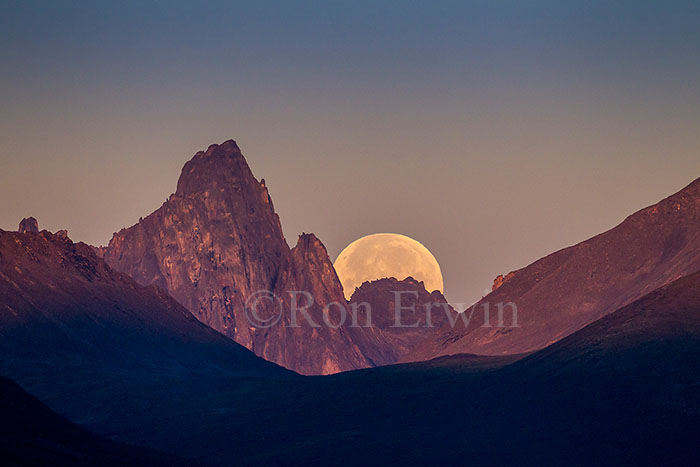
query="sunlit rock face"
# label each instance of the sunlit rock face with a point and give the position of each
(215, 242)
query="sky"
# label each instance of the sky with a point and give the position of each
(493, 132)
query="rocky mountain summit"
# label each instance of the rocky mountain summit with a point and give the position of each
(216, 242)
(28, 224)
(402, 314)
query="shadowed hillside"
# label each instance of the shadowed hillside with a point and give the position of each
(31, 434)
(97, 347)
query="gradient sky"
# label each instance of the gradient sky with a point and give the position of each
(493, 132)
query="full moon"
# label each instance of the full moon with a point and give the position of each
(386, 255)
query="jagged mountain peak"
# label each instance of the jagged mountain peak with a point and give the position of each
(397, 333)
(221, 168)
(216, 243)
(309, 241)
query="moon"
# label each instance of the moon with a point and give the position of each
(383, 255)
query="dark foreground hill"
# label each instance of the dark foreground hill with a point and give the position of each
(622, 391)
(31, 434)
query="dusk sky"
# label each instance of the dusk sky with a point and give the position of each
(493, 132)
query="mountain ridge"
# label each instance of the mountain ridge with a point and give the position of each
(568, 289)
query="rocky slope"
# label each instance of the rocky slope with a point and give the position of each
(393, 335)
(216, 242)
(565, 291)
